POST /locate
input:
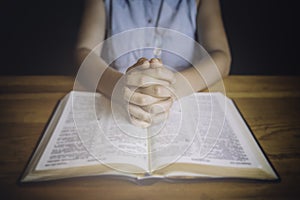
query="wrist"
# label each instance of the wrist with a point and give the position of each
(182, 86)
(109, 81)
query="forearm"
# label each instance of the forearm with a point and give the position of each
(212, 36)
(205, 73)
(95, 74)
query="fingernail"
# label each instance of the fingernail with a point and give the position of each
(142, 60)
(153, 60)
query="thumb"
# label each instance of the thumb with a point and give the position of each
(142, 63)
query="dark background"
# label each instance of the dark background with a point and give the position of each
(38, 37)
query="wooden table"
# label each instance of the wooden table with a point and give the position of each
(270, 105)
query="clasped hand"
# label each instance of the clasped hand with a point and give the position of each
(148, 92)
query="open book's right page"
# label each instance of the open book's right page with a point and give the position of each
(222, 144)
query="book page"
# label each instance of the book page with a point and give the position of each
(86, 135)
(65, 149)
(215, 142)
(228, 147)
(111, 138)
(171, 139)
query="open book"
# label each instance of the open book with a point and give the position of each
(204, 137)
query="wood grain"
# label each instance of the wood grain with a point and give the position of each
(269, 104)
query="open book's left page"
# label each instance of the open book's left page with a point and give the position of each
(86, 135)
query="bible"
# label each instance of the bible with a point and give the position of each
(204, 137)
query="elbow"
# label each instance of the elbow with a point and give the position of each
(79, 56)
(81, 52)
(226, 65)
(223, 61)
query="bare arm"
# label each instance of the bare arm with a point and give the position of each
(212, 36)
(210, 31)
(92, 33)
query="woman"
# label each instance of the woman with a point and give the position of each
(201, 20)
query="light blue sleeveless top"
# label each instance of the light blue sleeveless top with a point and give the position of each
(178, 15)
